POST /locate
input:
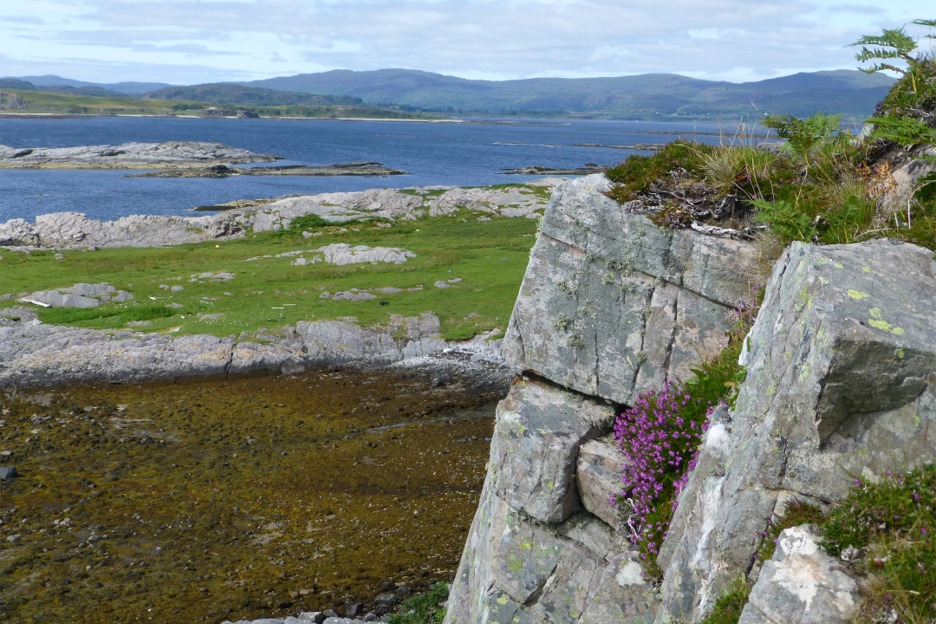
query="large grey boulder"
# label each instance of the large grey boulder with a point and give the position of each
(78, 296)
(612, 304)
(342, 254)
(841, 382)
(538, 434)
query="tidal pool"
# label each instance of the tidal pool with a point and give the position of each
(207, 500)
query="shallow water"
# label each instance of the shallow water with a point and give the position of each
(205, 500)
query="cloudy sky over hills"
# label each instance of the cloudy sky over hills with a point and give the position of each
(196, 41)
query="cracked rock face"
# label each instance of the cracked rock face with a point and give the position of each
(612, 304)
(516, 568)
(539, 431)
(841, 380)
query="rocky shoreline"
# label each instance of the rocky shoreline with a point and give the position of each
(587, 169)
(74, 230)
(32, 354)
(36, 355)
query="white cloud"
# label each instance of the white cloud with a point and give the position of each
(213, 40)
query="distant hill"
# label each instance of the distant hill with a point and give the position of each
(240, 95)
(647, 96)
(119, 87)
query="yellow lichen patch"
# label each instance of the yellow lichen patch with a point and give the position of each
(857, 294)
(885, 326)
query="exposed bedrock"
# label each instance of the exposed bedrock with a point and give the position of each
(33, 355)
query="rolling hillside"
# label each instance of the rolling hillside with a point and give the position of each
(647, 96)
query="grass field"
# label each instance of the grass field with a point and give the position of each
(482, 259)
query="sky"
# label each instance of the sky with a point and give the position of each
(200, 41)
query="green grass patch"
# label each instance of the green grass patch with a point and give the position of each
(181, 288)
(728, 607)
(115, 316)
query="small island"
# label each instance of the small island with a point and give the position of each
(129, 156)
(224, 171)
(587, 169)
(175, 159)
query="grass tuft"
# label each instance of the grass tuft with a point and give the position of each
(428, 608)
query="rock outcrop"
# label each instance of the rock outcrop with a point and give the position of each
(73, 230)
(841, 380)
(801, 584)
(841, 383)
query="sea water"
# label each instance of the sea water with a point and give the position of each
(473, 152)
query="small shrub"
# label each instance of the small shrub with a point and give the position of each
(302, 224)
(635, 175)
(847, 221)
(803, 136)
(660, 438)
(740, 170)
(428, 608)
(914, 94)
(904, 131)
(786, 220)
(660, 446)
